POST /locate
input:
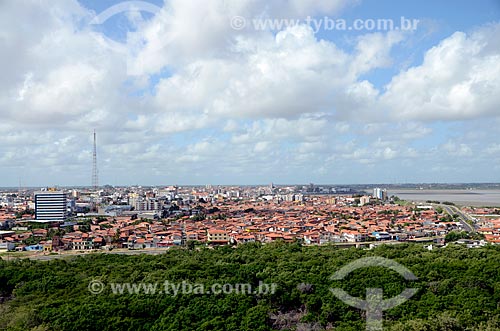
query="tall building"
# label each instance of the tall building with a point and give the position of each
(364, 200)
(50, 206)
(379, 193)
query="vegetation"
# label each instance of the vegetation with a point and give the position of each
(400, 202)
(27, 211)
(439, 210)
(459, 289)
(456, 235)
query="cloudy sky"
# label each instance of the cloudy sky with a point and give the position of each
(197, 92)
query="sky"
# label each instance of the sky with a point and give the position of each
(249, 92)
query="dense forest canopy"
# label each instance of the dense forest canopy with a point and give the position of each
(459, 289)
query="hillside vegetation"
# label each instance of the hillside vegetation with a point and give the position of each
(459, 289)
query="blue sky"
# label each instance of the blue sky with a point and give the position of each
(179, 96)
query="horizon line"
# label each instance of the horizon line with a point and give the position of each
(259, 184)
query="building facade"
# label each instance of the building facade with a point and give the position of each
(379, 193)
(50, 206)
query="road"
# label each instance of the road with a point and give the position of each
(463, 218)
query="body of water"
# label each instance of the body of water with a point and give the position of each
(476, 198)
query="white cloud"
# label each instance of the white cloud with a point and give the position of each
(278, 130)
(54, 74)
(220, 101)
(286, 76)
(493, 149)
(389, 153)
(190, 30)
(459, 79)
(461, 149)
(373, 51)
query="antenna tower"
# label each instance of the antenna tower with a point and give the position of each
(95, 177)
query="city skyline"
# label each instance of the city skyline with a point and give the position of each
(188, 98)
(249, 165)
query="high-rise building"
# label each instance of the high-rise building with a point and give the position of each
(379, 193)
(50, 206)
(364, 200)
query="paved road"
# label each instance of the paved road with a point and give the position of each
(463, 218)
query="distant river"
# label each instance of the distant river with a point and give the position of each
(461, 197)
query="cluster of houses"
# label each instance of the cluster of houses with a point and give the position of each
(319, 220)
(487, 222)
